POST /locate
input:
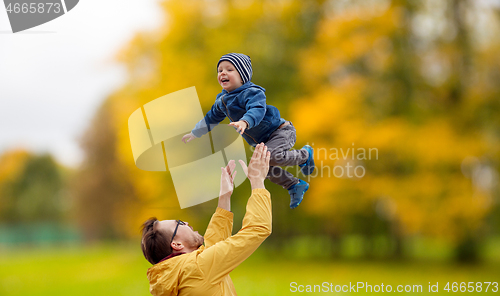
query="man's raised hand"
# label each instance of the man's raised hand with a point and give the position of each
(258, 167)
(226, 185)
(227, 178)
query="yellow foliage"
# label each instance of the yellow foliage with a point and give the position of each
(11, 166)
(418, 173)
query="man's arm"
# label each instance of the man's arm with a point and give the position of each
(221, 224)
(226, 185)
(219, 260)
(219, 228)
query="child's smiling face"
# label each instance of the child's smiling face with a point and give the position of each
(228, 76)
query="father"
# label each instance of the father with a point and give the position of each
(183, 266)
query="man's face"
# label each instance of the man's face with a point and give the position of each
(228, 76)
(185, 233)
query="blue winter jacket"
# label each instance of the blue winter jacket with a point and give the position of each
(248, 102)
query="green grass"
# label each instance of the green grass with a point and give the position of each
(121, 270)
(98, 270)
(258, 277)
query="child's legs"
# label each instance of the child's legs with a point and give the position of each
(281, 177)
(280, 142)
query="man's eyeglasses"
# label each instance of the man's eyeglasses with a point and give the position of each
(179, 222)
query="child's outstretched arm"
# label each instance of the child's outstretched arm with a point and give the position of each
(212, 118)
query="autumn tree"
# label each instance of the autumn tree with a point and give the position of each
(393, 80)
(101, 190)
(31, 189)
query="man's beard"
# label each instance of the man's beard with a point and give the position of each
(200, 240)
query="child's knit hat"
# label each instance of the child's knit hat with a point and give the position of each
(241, 62)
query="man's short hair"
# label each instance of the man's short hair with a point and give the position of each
(155, 243)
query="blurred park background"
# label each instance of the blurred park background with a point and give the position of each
(414, 84)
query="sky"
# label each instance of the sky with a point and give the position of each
(53, 77)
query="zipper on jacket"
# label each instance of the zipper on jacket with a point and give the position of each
(227, 110)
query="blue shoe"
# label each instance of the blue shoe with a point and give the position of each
(297, 193)
(308, 167)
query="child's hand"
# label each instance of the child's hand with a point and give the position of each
(240, 126)
(188, 137)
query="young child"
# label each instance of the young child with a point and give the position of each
(245, 105)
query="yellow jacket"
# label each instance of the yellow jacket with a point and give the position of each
(206, 270)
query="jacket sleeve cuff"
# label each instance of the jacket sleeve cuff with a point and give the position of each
(224, 213)
(261, 191)
(196, 134)
(249, 120)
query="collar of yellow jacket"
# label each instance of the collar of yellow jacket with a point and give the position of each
(164, 276)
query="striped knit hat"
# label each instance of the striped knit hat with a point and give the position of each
(242, 63)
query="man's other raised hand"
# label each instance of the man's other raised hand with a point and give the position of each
(258, 167)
